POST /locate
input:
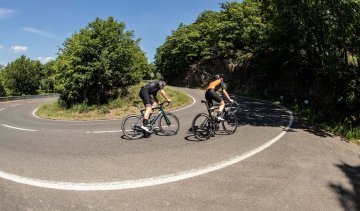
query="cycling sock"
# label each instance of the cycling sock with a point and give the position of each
(145, 122)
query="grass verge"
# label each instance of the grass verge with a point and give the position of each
(115, 109)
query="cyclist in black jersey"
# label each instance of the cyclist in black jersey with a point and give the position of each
(211, 94)
(151, 89)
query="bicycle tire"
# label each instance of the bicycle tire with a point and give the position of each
(202, 126)
(169, 128)
(230, 124)
(130, 127)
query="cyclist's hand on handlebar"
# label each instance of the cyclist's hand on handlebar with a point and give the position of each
(169, 100)
(232, 101)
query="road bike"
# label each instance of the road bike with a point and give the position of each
(206, 125)
(168, 123)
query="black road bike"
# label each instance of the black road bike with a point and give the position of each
(206, 125)
(168, 123)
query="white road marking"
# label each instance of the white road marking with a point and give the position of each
(17, 128)
(1, 109)
(71, 121)
(193, 103)
(34, 114)
(14, 105)
(145, 182)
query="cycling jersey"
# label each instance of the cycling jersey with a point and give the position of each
(154, 87)
(211, 94)
(215, 85)
(150, 89)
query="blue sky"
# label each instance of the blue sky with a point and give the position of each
(37, 28)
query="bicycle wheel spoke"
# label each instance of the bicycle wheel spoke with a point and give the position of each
(230, 123)
(169, 124)
(131, 127)
(201, 127)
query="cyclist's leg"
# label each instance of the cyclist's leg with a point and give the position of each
(215, 96)
(209, 98)
(144, 95)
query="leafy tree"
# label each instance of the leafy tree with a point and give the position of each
(22, 76)
(319, 38)
(2, 89)
(298, 49)
(48, 77)
(98, 63)
(229, 35)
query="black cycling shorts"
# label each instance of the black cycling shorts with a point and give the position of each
(211, 95)
(145, 96)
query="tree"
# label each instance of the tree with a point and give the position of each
(229, 35)
(2, 90)
(48, 77)
(98, 63)
(22, 76)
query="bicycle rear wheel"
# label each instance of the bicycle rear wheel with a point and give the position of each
(130, 126)
(201, 126)
(169, 124)
(230, 124)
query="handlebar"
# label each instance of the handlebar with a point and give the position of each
(163, 104)
(236, 104)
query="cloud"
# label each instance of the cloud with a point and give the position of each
(18, 48)
(1, 46)
(45, 59)
(38, 32)
(4, 12)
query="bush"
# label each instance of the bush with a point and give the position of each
(98, 64)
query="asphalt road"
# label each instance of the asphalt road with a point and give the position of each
(59, 165)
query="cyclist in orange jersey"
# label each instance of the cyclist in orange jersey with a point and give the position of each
(211, 94)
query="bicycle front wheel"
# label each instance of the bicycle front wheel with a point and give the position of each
(131, 127)
(230, 124)
(201, 126)
(169, 124)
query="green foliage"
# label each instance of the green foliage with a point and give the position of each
(98, 63)
(230, 34)
(47, 81)
(302, 50)
(22, 76)
(2, 89)
(318, 38)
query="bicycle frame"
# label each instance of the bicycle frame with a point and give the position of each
(153, 119)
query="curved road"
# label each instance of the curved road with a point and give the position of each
(47, 164)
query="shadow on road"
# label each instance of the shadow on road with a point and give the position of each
(259, 113)
(349, 198)
(264, 114)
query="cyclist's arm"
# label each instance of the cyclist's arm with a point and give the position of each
(155, 98)
(223, 88)
(227, 95)
(163, 93)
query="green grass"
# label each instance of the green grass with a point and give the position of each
(350, 133)
(113, 110)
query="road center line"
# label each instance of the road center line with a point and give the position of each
(17, 128)
(144, 182)
(14, 105)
